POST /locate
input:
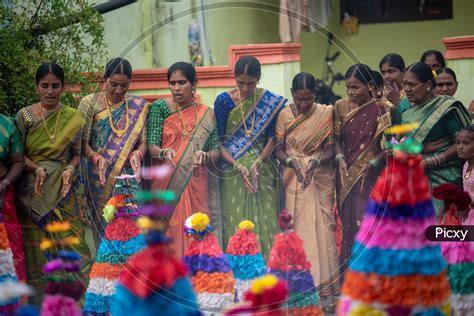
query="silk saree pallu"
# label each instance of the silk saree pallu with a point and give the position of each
(237, 203)
(439, 119)
(360, 131)
(116, 149)
(306, 136)
(191, 186)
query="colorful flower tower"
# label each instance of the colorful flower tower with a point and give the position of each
(8, 304)
(121, 239)
(394, 269)
(245, 257)
(264, 298)
(288, 261)
(64, 288)
(154, 282)
(460, 254)
(210, 270)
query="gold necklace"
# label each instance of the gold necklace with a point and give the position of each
(185, 132)
(46, 110)
(118, 132)
(468, 174)
(52, 137)
(248, 132)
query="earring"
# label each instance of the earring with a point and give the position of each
(193, 91)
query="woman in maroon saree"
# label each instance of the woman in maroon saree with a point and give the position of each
(359, 123)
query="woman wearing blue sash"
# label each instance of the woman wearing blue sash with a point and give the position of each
(246, 125)
(113, 134)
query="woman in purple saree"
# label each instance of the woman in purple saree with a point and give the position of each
(359, 124)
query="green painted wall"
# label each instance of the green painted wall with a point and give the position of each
(274, 78)
(373, 41)
(464, 69)
(155, 33)
(242, 23)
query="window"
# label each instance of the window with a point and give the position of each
(381, 11)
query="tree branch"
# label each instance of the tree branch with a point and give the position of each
(103, 8)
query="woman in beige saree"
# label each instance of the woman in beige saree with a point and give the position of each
(305, 146)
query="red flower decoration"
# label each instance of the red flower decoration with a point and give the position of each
(208, 246)
(121, 229)
(244, 242)
(287, 253)
(150, 270)
(403, 182)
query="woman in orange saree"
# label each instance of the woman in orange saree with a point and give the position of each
(183, 134)
(358, 130)
(304, 133)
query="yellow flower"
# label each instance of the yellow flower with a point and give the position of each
(365, 310)
(71, 241)
(109, 212)
(46, 244)
(246, 225)
(263, 283)
(58, 227)
(147, 223)
(199, 221)
(402, 129)
(144, 222)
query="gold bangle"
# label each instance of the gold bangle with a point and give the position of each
(38, 168)
(207, 156)
(6, 183)
(318, 161)
(70, 168)
(289, 160)
(162, 154)
(92, 153)
(442, 158)
(340, 157)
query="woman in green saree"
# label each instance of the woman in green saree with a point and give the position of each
(246, 119)
(46, 192)
(112, 138)
(440, 118)
(446, 81)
